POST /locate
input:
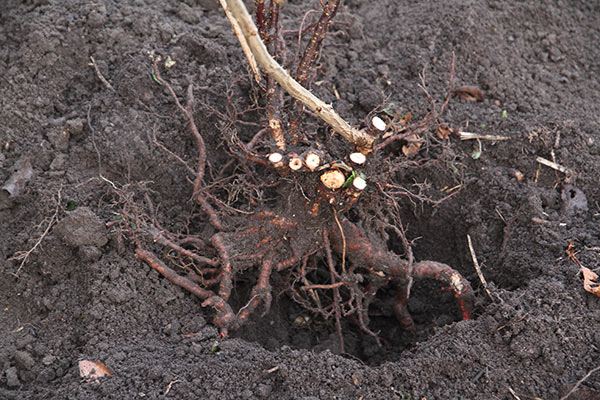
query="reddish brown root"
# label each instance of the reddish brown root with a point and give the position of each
(153, 261)
(360, 250)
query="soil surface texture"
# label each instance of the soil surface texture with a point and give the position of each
(81, 116)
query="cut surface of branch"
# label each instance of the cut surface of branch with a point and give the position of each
(325, 111)
(333, 179)
(359, 183)
(358, 158)
(312, 161)
(379, 124)
(275, 157)
(295, 163)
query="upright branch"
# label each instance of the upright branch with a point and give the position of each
(362, 139)
(259, 11)
(268, 26)
(311, 53)
(238, 33)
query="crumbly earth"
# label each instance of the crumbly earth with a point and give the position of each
(82, 295)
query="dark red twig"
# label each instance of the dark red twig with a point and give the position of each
(311, 52)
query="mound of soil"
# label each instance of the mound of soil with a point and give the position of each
(80, 113)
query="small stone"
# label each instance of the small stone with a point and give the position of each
(75, 126)
(24, 360)
(12, 378)
(59, 139)
(89, 253)
(264, 390)
(525, 348)
(209, 5)
(573, 200)
(48, 360)
(119, 356)
(59, 162)
(188, 14)
(46, 375)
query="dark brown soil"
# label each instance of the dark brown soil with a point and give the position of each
(81, 294)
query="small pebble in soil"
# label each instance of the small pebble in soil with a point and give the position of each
(12, 378)
(24, 360)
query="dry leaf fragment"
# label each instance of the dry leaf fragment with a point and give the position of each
(92, 370)
(469, 93)
(590, 280)
(411, 149)
(403, 120)
(518, 175)
(444, 131)
(23, 173)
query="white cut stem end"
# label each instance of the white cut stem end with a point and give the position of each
(295, 163)
(276, 159)
(312, 161)
(379, 124)
(359, 183)
(358, 158)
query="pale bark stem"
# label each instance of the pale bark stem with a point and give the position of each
(325, 111)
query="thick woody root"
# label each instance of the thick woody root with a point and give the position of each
(379, 261)
(265, 235)
(262, 244)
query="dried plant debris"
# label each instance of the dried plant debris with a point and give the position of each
(17, 181)
(469, 93)
(590, 278)
(92, 370)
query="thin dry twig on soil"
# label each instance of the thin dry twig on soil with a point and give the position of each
(100, 76)
(478, 268)
(168, 389)
(579, 382)
(24, 255)
(553, 165)
(325, 111)
(472, 136)
(514, 394)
